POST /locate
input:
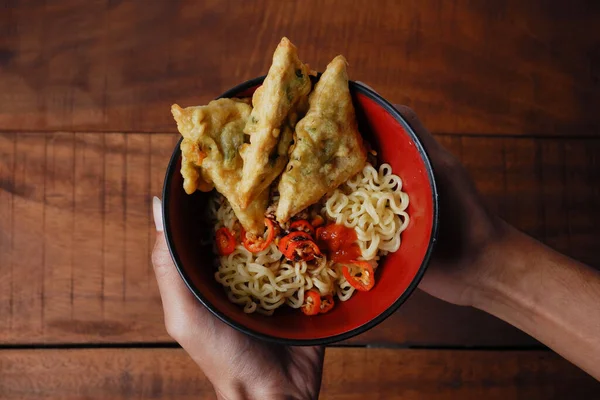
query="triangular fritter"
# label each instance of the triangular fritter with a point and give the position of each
(278, 104)
(212, 136)
(328, 148)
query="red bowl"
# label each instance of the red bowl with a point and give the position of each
(397, 275)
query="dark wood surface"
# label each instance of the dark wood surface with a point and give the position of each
(482, 67)
(350, 374)
(510, 87)
(77, 233)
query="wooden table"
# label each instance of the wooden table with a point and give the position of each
(510, 87)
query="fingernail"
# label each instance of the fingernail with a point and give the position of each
(157, 212)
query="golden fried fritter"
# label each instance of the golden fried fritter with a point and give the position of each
(212, 136)
(328, 149)
(278, 104)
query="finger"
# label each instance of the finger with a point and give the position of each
(173, 292)
(172, 289)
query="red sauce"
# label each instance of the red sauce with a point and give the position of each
(338, 242)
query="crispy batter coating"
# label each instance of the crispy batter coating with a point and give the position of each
(212, 136)
(278, 104)
(328, 148)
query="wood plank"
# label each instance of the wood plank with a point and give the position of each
(7, 168)
(502, 67)
(137, 212)
(87, 272)
(76, 234)
(29, 234)
(350, 373)
(113, 234)
(59, 222)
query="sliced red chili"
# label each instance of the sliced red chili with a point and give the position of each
(359, 275)
(256, 244)
(299, 246)
(225, 241)
(285, 241)
(312, 303)
(304, 250)
(302, 225)
(327, 304)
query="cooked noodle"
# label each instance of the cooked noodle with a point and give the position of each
(372, 202)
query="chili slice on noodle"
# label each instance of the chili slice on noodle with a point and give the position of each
(285, 241)
(299, 246)
(312, 303)
(255, 245)
(327, 304)
(302, 225)
(359, 275)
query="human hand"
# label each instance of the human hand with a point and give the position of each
(470, 237)
(238, 366)
(482, 261)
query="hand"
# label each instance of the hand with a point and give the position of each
(483, 262)
(238, 366)
(469, 236)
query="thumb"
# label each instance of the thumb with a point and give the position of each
(180, 307)
(200, 334)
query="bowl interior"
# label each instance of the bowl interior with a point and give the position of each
(397, 274)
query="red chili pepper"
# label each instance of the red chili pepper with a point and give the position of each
(255, 245)
(326, 304)
(359, 275)
(285, 241)
(299, 246)
(225, 241)
(302, 225)
(312, 303)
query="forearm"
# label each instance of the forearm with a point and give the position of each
(551, 297)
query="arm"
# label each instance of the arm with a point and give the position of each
(549, 296)
(483, 262)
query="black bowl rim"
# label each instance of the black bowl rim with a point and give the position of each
(363, 89)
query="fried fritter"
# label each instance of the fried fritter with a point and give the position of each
(278, 104)
(212, 136)
(328, 149)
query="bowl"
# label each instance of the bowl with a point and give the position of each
(397, 275)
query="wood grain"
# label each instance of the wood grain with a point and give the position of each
(511, 87)
(76, 234)
(348, 374)
(467, 67)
